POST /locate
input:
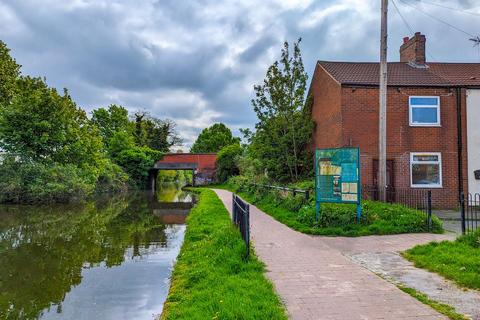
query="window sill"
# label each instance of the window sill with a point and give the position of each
(423, 125)
(424, 186)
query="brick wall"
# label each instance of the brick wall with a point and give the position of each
(348, 116)
(326, 110)
(206, 161)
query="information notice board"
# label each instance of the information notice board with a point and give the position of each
(337, 177)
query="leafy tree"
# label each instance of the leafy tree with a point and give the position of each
(112, 120)
(155, 133)
(137, 162)
(41, 125)
(227, 161)
(284, 126)
(9, 73)
(213, 139)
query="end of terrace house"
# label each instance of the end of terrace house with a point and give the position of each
(433, 120)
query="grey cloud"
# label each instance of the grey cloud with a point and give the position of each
(174, 58)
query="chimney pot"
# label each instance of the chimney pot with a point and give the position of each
(413, 49)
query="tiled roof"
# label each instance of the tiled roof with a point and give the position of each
(402, 74)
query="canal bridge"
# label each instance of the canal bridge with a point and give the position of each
(202, 165)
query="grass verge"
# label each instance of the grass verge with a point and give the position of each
(339, 219)
(457, 260)
(211, 279)
(440, 307)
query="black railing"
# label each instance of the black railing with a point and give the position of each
(470, 211)
(241, 219)
(292, 190)
(418, 199)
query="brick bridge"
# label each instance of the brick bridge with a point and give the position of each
(203, 166)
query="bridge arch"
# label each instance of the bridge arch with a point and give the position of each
(202, 165)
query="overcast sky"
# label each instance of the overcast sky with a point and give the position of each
(196, 61)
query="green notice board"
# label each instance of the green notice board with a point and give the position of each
(337, 177)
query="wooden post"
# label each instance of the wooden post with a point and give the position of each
(382, 125)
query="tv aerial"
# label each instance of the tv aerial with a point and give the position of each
(476, 41)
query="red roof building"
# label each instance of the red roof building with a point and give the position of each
(433, 120)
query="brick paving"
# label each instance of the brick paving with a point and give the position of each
(316, 281)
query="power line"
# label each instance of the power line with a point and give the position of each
(437, 19)
(403, 19)
(449, 8)
(408, 25)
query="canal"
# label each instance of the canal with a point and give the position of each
(106, 259)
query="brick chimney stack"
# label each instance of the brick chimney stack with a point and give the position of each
(413, 49)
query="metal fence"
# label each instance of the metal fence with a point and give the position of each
(292, 190)
(470, 211)
(241, 219)
(418, 199)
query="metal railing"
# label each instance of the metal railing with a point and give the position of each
(241, 219)
(294, 191)
(418, 199)
(470, 211)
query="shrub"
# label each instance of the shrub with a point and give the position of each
(226, 162)
(112, 179)
(137, 162)
(335, 219)
(34, 182)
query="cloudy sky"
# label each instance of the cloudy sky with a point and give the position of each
(196, 61)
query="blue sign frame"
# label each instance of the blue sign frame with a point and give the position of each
(337, 177)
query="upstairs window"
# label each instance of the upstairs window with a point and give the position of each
(426, 170)
(424, 111)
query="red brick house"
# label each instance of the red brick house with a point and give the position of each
(433, 119)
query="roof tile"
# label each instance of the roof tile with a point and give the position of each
(402, 74)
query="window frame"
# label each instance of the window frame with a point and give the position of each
(423, 124)
(439, 163)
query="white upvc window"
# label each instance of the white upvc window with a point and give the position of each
(424, 111)
(426, 169)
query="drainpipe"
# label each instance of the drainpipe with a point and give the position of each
(458, 94)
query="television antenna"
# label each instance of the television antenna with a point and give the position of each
(476, 41)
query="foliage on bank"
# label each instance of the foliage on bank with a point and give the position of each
(335, 219)
(53, 152)
(211, 279)
(457, 260)
(213, 139)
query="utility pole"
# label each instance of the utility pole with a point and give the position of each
(382, 125)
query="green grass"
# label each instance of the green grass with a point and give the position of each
(457, 260)
(338, 219)
(211, 279)
(440, 307)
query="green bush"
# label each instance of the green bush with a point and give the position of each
(137, 162)
(112, 179)
(226, 162)
(33, 182)
(335, 219)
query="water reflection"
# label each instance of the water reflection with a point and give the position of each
(108, 259)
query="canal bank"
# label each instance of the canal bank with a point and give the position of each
(211, 279)
(106, 259)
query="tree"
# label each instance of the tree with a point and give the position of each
(227, 161)
(9, 73)
(155, 133)
(214, 138)
(284, 126)
(112, 120)
(42, 125)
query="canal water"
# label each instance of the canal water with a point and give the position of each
(107, 259)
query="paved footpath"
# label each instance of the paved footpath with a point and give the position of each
(316, 281)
